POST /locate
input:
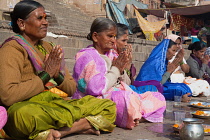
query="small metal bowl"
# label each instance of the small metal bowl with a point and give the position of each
(191, 120)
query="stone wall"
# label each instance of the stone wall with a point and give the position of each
(141, 48)
(66, 19)
(6, 6)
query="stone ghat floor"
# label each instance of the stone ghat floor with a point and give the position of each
(147, 131)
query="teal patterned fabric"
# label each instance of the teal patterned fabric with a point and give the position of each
(82, 85)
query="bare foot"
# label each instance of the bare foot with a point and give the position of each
(142, 120)
(80, 126)
(136, 122)
(54, 135)
(185, 97)
(91, 131)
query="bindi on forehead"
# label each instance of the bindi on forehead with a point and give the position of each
(44, 15)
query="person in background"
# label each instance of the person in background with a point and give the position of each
(195, 31)
(197, 86)
(202, 35)
(207, 52)
(183, 67)
(204, 32)
(29, 69)
(99, 75)
(130, 70)
(198, 62)
(120, 47)
(157, 67)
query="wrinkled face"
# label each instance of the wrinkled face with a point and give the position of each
(35, 26)
(104, 41)
(199, 54)
(171, 52)
(122, 42)
(178, 42)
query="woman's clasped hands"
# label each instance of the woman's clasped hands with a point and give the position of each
(124, 59)
(173, 65)
(180, 55)
(205, 59)
(176, 62)
(52, 61)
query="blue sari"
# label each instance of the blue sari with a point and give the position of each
(155, 67)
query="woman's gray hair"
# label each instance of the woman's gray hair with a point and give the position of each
(100, 24)
(121, 29)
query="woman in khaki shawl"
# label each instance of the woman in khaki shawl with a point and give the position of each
(29, 69)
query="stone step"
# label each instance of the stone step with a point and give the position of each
(52, 5)
(71, 16)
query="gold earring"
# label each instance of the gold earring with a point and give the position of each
(21, 28)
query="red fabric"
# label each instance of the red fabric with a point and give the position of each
(178, 21)
(159, 36)
(194, 31)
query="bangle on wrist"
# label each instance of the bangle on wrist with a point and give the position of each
(181, 63)
(44, 76)
(59, 79)
(128, 72)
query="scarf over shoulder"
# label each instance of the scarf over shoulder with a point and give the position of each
(155, 66)
(35, 59)
(92, 80)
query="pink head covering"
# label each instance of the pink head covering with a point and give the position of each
(174, 37)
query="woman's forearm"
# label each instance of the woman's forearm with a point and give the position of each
(112, 76)
(185, 68)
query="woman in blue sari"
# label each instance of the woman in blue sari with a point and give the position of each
(157, 67)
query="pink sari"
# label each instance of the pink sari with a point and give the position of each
(3, 117)
(89, 73)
